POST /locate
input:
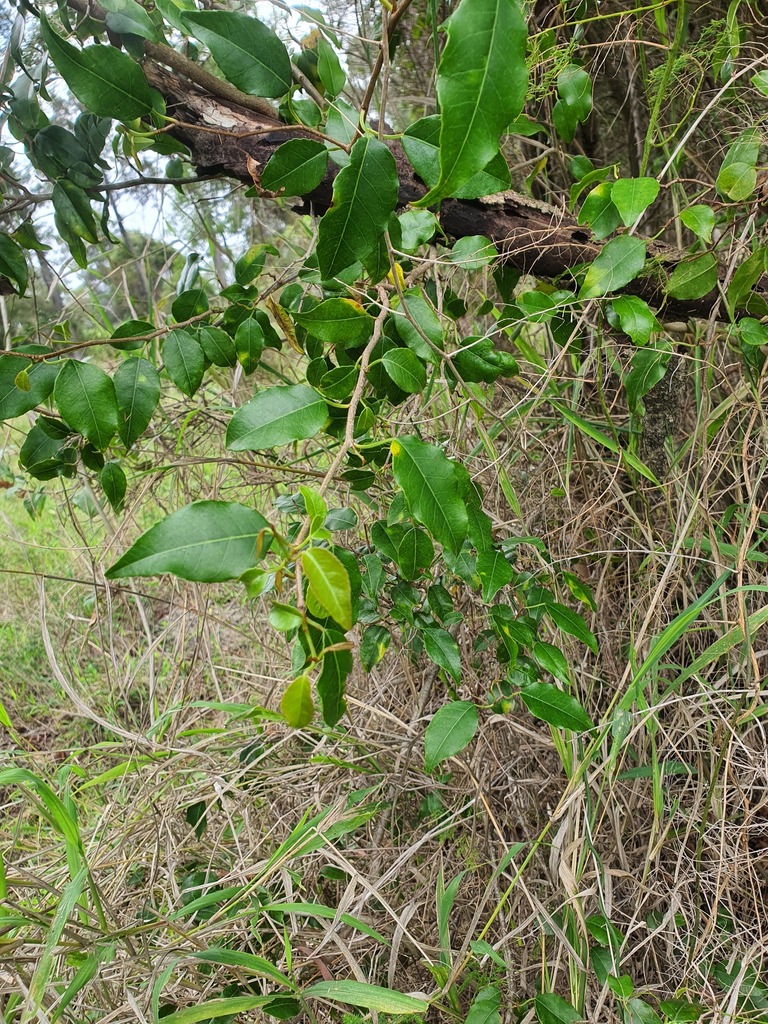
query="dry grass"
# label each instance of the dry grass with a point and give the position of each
(169, 680)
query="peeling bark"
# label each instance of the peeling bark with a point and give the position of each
(534, 237)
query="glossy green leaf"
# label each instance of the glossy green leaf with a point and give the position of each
(494, 571)
(368, 997)
(416, 228)
(481, 88)
(451, 730)
(184, 360)
(85, 397)
(249, 53)
(296, 168)
(15, 401)
(217, 345)
(337, 321)
(635, 317)
(760, 82)
(572, 623)
(744, 278)
(633, 196)
(329, 69)
(137, 390)
(737, 177)
(207, 542)
(251, 263)
(129, 17)
(130, 329)
(553, 1009)
(104, 79)
(418, 325)
(248, 962)
(574, 106)
(599, 211)
(421, 143)
(442, 650)
(114, 484)
(552, 660)
(73, 212)
(414, 552)
(701, 221)
(13, 263)
(485, 1007)
(335, 668)
(364, 196)
(405, 369)
(694, 278)
(373, 646)
(753, 332)
(648, 367)
(473, 252)
(189, 303)
(330, 583)
(432, 490)
(249, 344)
(619, 262)
(296, 704)
(276, 416)
(553, 706)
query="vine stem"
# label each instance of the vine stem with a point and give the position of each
(354, 402)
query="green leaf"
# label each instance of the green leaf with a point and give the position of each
(248, 962)
(694, 278)
(744, 278)
(418, 325)
(421, 143)
(330, 583)
(753, 332)
(640, 1012)
(450, 731)
(494, 571)
(213, 1008)
(40, 379)
(552, 660)
(130, 329)
(738, 173)
(206, 542)
(296, 704)
(648, 367)
(636, 318)
(481, 87)
(574, 87)
(572, 623)
(373, 646)
(336, 666)
(249, 343)
(129, 17)
(104, 79)
(405, 369)
(701, 221)
(364, 196)
(217, 346)
(45, 961)
(338, 322)
(114, 484)
(73, 212)
(137, 390)
(249, 54)
(295, 168)
(432, 490)
(760, 82)
(276, 416)
(442, 650)
(486, 1006)
(554, 707)
(184, 360)
(369, 997)
(553, 1009)
(599, 211)
(473, 252)
(86, 399)
(415, 552)
(633, 196)
(13, 264)
(329, 69)
(619, 262)
(417, 227)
